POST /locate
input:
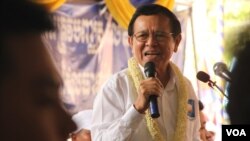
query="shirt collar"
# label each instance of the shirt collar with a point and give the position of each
(142, 70)
(171, 82)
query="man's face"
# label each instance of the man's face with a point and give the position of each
(153, 40)
(30, 91)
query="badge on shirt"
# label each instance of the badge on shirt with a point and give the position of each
(191, 109)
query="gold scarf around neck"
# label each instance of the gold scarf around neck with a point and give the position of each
(182, 96)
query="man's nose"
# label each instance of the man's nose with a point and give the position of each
(151, 40)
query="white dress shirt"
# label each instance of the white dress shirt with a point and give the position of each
(115, 118)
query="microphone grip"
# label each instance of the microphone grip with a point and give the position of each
(153, 106)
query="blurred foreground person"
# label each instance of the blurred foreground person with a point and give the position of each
(238, 107)
(31, 109)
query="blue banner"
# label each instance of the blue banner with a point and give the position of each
(88, 47)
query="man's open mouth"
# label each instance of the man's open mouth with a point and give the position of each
(151, 53)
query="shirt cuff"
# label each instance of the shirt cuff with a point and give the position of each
(132, 117)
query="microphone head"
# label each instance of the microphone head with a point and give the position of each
(219, 68)
(202, 76)
(149, 69)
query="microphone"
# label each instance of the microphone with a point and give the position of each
(221, 70)
(149, 70)
(204, 77)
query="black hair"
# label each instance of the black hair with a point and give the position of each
(153, 9)
(19, 17)
(24, 16)
(201, 106)
(238, 107)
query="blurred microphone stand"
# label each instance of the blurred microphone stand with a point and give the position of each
(213, 84)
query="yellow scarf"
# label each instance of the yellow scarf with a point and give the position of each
(153, 127)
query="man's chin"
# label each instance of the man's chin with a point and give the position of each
(151, 58)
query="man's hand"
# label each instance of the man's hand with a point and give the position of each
(150, 86)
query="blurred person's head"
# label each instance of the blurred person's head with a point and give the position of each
(83, 123)
(203, 121)
(238, 107)
(205, 135)
(30, 85)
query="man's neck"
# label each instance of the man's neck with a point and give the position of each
(164, 76)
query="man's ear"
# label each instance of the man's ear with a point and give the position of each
(177, 42)
(130, 41)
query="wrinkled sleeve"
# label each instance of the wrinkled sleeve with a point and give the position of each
(114, 117)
